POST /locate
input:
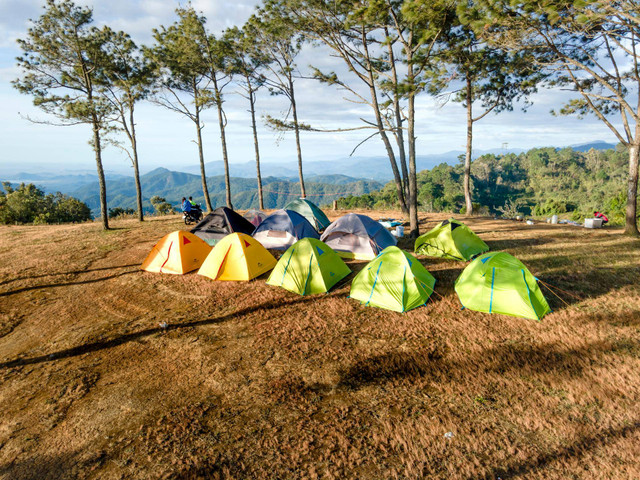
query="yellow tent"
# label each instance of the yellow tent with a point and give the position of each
(237, 257)
(178, 252)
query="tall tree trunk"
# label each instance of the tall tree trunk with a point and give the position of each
(467, 158)
(413, 187)
(303, 193)
(398, 115)
(631, 225)
(252, 102)
(101, 180)
(383, 133)
(223, 140)
(205, 190)
(136, 170)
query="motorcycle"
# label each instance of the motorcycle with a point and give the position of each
(192, 216)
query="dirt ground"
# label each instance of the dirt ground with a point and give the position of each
(249, 381)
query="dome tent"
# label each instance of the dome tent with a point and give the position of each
(178, 252)
(394, 280)
(309, 266)
(357, 236)
(497, 282)
(282, 229)
(255, 217)
(237, 257)
(450, 239)
(220, 223)
(310, 211)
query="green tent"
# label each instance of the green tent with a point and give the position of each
(394, 280)
(497, 282)
(450, 239)
(310, 211)
(308, 266)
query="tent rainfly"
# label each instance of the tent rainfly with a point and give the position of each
(237, 257)
(357, 236)
(310, 211)
(178, 252)
(394, 280)
(282, 229)
(450, 239)
(309, 266)
(220, 223)
(497, 282)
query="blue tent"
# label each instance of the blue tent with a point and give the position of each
(282, 229)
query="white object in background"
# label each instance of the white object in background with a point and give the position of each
(530, 222)
(592, 222)
(399, 231)
(554, 219)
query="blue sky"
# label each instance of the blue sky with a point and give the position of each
(165, 138)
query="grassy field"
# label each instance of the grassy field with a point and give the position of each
(249, 381)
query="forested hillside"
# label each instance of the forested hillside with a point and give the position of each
(174, 185)
(540, 182)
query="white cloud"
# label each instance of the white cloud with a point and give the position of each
(166, 138)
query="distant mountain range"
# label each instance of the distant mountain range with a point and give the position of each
(174, 185)
(324, 180)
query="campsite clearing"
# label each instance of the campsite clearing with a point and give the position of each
(107, 371)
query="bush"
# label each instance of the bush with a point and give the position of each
(28, 204)
(161, 205)
(511, 208)
(616, 208)
(552, 207)
(119, 212)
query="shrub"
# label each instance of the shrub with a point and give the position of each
(119, 212)
(551, 207)
(161, 205)
(28, 204)
(510, 209)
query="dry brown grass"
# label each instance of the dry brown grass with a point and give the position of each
(251, 381)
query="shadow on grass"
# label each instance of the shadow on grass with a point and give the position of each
(579, 286)
(548, 359)
(584, 443)
(42, 467)
(515, 243)
(67, 284)
(72, 272)
(129, 337)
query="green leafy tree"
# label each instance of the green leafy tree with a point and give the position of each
(489, 77)
(126, 79)
(161, 205)
(62, 60)
(183, 70)
(589, 46)
(29, 204)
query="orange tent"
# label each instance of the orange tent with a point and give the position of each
(178, 252)
(237, 257)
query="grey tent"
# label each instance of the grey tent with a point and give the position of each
(220, 223)
(282, 229)
(357, 236)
